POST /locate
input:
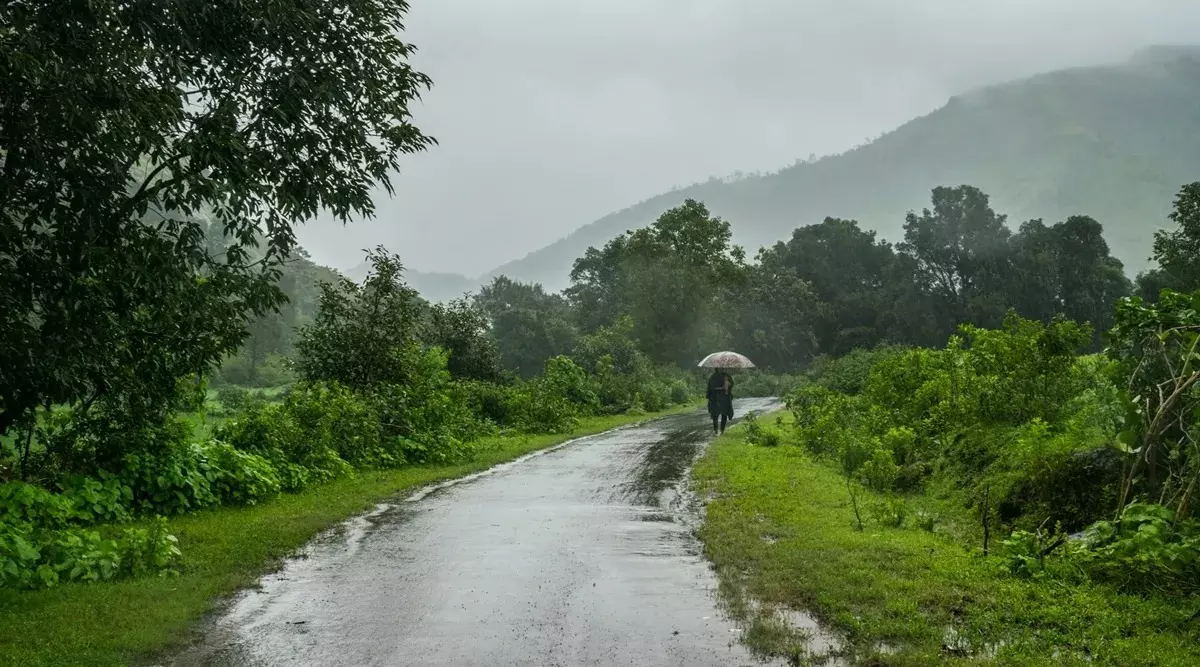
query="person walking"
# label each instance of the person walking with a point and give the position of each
(720, 399)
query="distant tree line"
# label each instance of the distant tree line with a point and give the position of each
(833, 287)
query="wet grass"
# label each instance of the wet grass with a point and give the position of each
(782, 535)
(224, 550)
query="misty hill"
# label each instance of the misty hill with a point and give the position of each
(434, 286)
(1114, 142)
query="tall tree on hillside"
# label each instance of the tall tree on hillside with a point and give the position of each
(1066, 269)
(776, 312)
(852, 275)
(667, 277)
(122, 124)
(1177, 251)
(961, 253)
(528, 324)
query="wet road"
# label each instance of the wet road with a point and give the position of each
(580, 555)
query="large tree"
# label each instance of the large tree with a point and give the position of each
(1177, 251)
(667, 277)
(461, 330)
(961, 251)
(528, 324)
(852, 275)
(364, 335)
(1066, 269)
(125, 127)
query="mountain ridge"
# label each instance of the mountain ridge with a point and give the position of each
(1112, 141)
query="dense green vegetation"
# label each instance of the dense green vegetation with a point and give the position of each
(185, 396)
(783, 535)
(999, 498)
(1110, 141)
(149, 249)
(224, 549)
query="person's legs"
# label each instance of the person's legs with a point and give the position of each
(724, 419)
(715, 418)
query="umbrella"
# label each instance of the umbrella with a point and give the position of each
(726, 360)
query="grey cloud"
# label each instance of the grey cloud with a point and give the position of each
(551, 113)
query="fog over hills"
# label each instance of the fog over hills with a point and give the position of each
(1114, 142)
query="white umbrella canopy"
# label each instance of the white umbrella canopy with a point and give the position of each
(726, 360)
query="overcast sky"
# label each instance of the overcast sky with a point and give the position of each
(552, 113)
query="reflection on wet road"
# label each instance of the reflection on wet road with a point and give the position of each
(583, 555)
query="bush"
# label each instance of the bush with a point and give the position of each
(148, 550)
(564, 377)
(487, 401)
(239, 478)
(335, 419)
(889, 511)
(274, 433)
(536, 406)
(22, 503)
(426, 420)
(681, 393)
(879, 472)
(848, 374)
(37, 557)
(103, 500)
(1148, 548)
(233, 399)
(172, 482)
(759, 434)
(272, 371)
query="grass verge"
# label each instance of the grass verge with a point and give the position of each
(224, 550)
(781, 532)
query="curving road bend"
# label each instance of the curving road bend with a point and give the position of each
(579, 555)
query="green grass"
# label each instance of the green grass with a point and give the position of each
(781, 532)
(224, 550)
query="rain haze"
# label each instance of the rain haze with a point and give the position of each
(552, 113)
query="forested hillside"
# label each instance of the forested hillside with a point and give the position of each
(1112, 142)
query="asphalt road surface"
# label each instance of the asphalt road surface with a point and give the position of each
(579, 555)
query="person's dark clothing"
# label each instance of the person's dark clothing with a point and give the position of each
(720, 400)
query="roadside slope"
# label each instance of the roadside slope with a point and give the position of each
(781, 532)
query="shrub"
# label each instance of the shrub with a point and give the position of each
(655, 395)
(22, 503)
(563, 376)
(759, 434)
(272, 371)
(536, 407)
(19, 558)
(238, 477)
(233, 399)
(334, 418)
(889, 511)
(848, 374)
(426, 420)
(1147, 548)
(272, 432)
(149, 550)
(486, 400)
(765, 384)
(879, 472)
(78, 555)
(681, 393)
(172, 482)
(103, 500)
(36, 557)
